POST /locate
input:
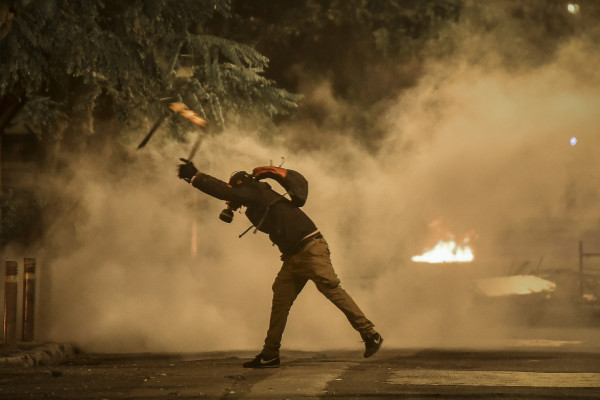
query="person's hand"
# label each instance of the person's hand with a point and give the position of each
(187, 171)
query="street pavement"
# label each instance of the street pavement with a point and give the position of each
(525, 370)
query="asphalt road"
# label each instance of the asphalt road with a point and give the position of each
(539, 372)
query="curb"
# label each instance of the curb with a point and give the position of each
(45, 354)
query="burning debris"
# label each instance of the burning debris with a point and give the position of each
(446, 252)
(447, 249)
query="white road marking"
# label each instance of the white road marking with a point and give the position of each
(495, 378)
(308, 381)
(542, 343)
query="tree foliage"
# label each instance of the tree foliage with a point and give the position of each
(229, 84)
(78, 61)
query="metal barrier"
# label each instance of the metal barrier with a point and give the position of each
(10, 302)
(583, 255)
(11, 281)
(28, 299)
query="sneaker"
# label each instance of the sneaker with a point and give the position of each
(373, 342)
(261, 361)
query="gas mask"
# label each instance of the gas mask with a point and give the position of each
(237, 179)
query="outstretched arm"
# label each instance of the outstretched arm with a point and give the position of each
(216, 187)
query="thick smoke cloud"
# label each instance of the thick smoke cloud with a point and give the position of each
(479, 145)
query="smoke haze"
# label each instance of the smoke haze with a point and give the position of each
(481, 145)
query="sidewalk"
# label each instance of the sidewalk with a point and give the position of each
(31, 354)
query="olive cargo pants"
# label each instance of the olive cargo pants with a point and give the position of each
(311, 262)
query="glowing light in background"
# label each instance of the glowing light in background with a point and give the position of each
(194, 240)
(573, 141)
(514, 285)
(573, 8)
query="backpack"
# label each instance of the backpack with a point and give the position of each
(292, 181)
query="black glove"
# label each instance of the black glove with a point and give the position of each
(187, 171)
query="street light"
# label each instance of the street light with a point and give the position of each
(573, 8)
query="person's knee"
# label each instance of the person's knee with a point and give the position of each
(282, 303)
(326, 285)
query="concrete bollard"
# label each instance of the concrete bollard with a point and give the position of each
(28, 300)
(10, 302)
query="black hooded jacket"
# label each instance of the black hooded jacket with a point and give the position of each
(285, 223)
